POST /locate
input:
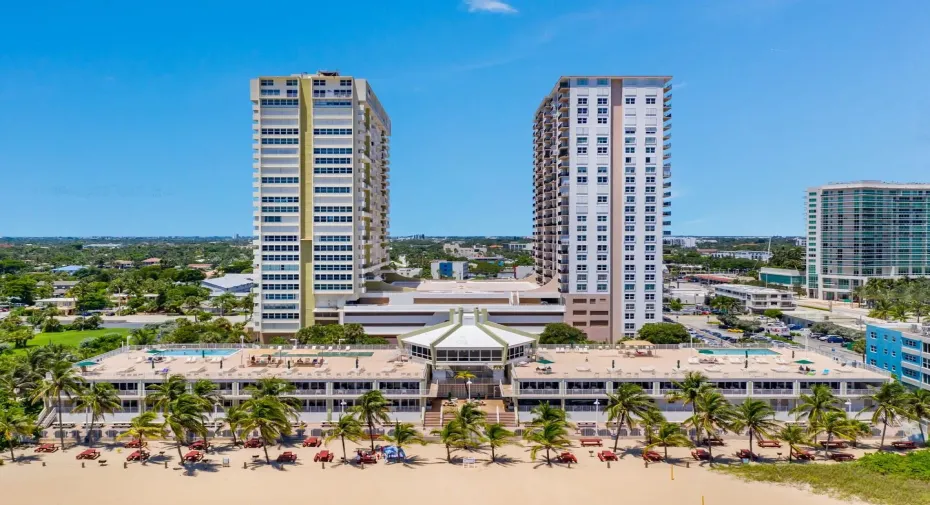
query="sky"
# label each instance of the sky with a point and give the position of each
(133, 118)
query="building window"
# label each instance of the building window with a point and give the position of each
(582, 140)
(602, 120)
(602, 199)
(582, 110)
(582, 150)
(650, 100)
(602, 111)
(602, 101)
(582, 120)
(601, 150)
(629, 150)
(267, 82)
(582, 100)
(630, 100)
(582, 179)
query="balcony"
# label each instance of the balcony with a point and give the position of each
(666, 185)
(667, 117)
(588, 391)
(666, 223)
(667, 146)
(666, 137)
(667, 127)
(546, 392)
(667, 97)
(667, 213)
(667, 194)
(563, 125)
(666, 156)
(789, 392)
(667, 88)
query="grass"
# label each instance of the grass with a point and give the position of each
(68, 338)
(862, 480)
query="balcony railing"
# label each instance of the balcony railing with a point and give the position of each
(757, 391)
(355, 392)
(592, 391)
(547, 392)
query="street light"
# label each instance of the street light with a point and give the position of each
(597, 412)
(343, 405)
(848, 404)
(468, 387)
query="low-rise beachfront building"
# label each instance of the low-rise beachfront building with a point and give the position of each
(470, 356)
(902, 349)
(757, 299)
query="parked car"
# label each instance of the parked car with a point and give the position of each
(834, 339)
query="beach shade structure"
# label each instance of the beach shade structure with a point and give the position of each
(705, 351)
(393, 453)
(85, 364)
(804, 362)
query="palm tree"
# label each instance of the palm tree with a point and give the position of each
(794, 436)
(14, 423)
(143, 336)
(714, 413)
(859, 429)
(143, 426)
(466, 376)
(890, 404)
(60, 379)
(899, 311)
(497, 436)
(347, 427)
(757, 417)
(372, 407)
(815, 405)
(185, 415)
(918, 406)
(452, 436)
(688, 390)
(627, 402)
(235, 415)
(160, 396)
(544, 412)
(470, 420)
(549, 435)
(881, 309)
(669, 435)
(98, 399)
(225, 302)
(209, 392)
(270, 417)
(833, 424)
(277, 388)
(405, 434)
(650, 421)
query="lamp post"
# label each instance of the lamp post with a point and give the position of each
(343, 405)
(468, 388)
(848, 404)
(597, 413)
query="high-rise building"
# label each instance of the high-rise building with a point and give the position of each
(321, 162)
(601, 199)
(862, 230)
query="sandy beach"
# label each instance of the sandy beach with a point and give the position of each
(427, 477)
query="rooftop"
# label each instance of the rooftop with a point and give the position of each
(780, 271)
(229, 281)
(755, 290)
(665, 363)
(253, 363)
(468, 332)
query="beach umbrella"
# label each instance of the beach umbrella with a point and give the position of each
(356, 362)
(705, 351)
(613, 363)
(678, 364)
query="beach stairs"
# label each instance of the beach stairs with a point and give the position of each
(432, 420)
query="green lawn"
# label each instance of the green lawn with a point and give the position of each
(844, 481)
(69, 338)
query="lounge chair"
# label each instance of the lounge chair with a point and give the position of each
(746, 454)
(802, 455)
(138, 455)
(89, 454)
(193, 456)
(312, 442)
(254, 443)
(841, 456)
(769, 443)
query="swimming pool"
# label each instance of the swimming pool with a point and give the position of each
(198, 352)
(739, 352)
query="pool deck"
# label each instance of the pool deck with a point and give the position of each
(258, 363)
(672, 363)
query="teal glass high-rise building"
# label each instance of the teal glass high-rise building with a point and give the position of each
(862, 230)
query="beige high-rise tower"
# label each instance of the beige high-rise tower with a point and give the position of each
(320, 194)
(601, 157)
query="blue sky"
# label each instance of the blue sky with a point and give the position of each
(133, 118)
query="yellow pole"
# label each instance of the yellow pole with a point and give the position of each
(702, 499)
(672, 468)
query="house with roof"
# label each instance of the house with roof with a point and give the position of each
(61, 288)
(122, 264)
(237, 284)
(200, 266)
(68, 269)
(151, 262)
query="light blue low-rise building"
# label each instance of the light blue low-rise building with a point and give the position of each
(901, 349)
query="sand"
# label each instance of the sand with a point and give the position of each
(426, 478)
